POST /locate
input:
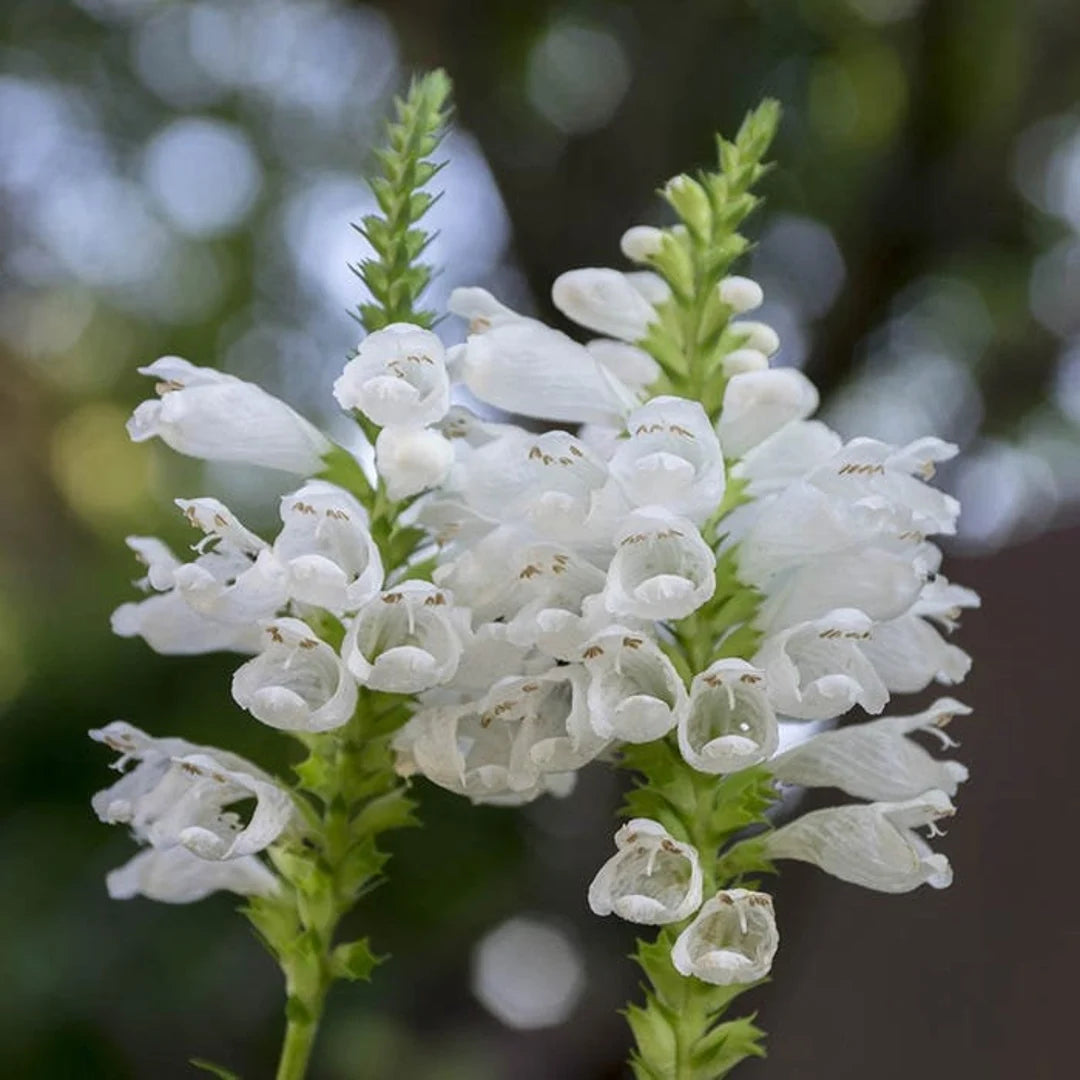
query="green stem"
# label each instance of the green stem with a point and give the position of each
(296, 1049)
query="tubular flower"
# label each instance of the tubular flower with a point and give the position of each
(875, 846)
(729, 723)
(297, 683)
(652, 878)
(207, 414)
(731, 941)
(405, 640)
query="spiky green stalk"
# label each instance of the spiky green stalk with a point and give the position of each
(347, 792)
(679, 1029)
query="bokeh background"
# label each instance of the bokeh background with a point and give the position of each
(180, 178)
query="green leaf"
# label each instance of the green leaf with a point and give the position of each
(354, 960)
(718, 1052)
(218, 1070)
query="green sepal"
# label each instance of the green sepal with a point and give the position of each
(354, 960)
(341, 468)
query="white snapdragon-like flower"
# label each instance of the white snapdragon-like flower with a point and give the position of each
(170, 626)
(651, 879)
(741, 294)
(329, 556)
(236, 579)
(405, 640)
(818, 670)
(909, 652)
(515, 743)
(605, 301)
(525, 367)
(729, 723)
(411, 460)
(635, 694)
(177, 876)
(662, 568)
(633, 367)
(671, 459)
(787, 455)
(552, 481)
(758, 404)
(207, 414)
(397, 378)
(178, 794)
(297, 682)
(874, 845)
(876, 760)
(732, 940)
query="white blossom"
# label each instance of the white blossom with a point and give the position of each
(328, 554)
(411, 460)
(405, 640)
(651, 879)
(818, 669)
(732, 940)
(605, 301)
(525, 367)
(741, 294)
(633, 367)
(757, 404)
(662, 568)
(207, 414)
(672, 459)
(756, 335)
(170, 626)
(729, 723)
(297, 682)
(873, 845)
(635, 694)
(178, 794)
(876, 760)
(397, 378)
(641, 242)
(177, 876)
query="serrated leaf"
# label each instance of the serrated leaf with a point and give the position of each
(654, 1036)
(725, 1046)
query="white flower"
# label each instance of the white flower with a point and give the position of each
(525, 367)
(178, 793)
(326, 548)
(481, 310)
(633, 367)
(159, 560)
(177, 876)
(875, 760)
(207, 414)
(662, 569)
(873, 473)
(635, 693)
(874, 846)
(785, 456)
(671, 459)
(908, 654)
(511, 745)
(641, 242)
(652, 878)
(729, 723)
(732, 940)
(170, 626)
(741, 294)
(605, 301)
(553, 481)
(743, 361)
(411, 460)
(759, 403)
(236, 579)
(509, 575)
(817, 670)
(405, 640)
(297, 682)
(757, 335)
(882, 583)
(397, 377)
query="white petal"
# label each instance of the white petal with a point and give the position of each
(176, 876)
(207, 414)
(732, 940)
(411, 460)
(170, 626)
(757, 404)
(603, 300)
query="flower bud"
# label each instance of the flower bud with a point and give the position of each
(740, 293)
(641, 242)
(412, 460)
